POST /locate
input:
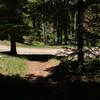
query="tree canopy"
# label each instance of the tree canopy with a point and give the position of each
(53, 22)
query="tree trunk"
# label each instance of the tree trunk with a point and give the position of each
(13, 44)
(65, 37)
(66, 27)
(80, 40)
(75, 24)
(59, 31)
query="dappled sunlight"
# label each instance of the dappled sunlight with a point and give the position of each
(38, 68)
(49, 49)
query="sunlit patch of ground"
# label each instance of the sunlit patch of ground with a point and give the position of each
(38, 68)
(10, 65)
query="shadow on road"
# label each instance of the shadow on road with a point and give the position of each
(33, 57)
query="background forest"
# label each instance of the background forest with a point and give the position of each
(71, 25)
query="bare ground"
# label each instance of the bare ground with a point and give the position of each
(24, 50)
(38, 68)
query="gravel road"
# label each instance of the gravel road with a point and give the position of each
(46, 51)
(23, 50)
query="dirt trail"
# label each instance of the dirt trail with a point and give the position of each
(38, 68)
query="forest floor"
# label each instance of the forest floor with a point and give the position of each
(36, 68)
(39, 68)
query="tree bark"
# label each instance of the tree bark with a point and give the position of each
(59, 31)
(75, 25)
(13, 44)
(66, 27)
(80, 40)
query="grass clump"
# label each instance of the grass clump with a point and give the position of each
(10, 65)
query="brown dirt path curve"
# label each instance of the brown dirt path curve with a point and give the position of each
(38, 68)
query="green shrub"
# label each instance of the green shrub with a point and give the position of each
(37, 43)
(92, 65)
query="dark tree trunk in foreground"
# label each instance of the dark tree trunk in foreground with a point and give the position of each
(80, 32)
(59, 31)
(13, 44)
